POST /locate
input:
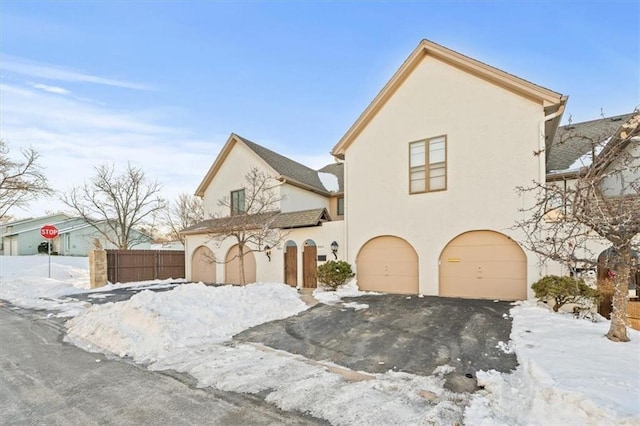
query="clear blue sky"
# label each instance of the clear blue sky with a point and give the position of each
(163, 83)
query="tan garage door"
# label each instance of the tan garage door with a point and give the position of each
(388, 264)
(203, 266)
(483, 265)
(232, 267)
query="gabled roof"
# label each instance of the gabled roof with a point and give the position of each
(288, 170)
(301, 219)
(576, 140)
(628, 131)
(274, 219)
(551, 101)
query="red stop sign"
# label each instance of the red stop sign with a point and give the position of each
(49, 232)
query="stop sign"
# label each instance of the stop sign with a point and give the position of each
(49, 232)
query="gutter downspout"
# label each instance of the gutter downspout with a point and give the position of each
(542, 144)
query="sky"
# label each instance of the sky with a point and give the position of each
(188, 329)
(162, 84)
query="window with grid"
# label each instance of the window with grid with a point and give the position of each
(428, 165)
(237, 202)
(341, 206)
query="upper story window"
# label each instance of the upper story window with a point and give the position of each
(237, 202)
(428, 165)
(340, 206)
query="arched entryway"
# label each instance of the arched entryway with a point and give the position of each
(483, 265)
(232, 266)
(388, 264)
(291, 263)
(203, 266)
(309, 264)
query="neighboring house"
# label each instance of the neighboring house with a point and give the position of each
(426, 184)
(18, 237)
(601, 147)
(75, 236)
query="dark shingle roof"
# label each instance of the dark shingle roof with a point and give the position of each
(286, 166)
(274, 219)
(336, 169)
(301, 219)
(574, 140)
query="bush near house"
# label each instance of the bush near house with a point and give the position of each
(565, 290)
(334, 274)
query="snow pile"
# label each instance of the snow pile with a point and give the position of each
(330, 297)
(569, 373)
(151, 326)
(24, 281)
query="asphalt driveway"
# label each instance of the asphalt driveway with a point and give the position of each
(400, 333)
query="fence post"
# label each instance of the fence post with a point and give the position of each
(97, 268)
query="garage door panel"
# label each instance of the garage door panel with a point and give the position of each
(483, 264)
(482, 252)
(388, 264)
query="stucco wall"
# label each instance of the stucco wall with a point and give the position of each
(272, 271)
(231, 177)
(623, 173)
(295, 199)
(491, 136)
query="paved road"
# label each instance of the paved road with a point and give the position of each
(45, 381)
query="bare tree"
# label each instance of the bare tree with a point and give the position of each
(601, 204)
(184, 211)
(251, 217)
(21, 181)
(116, 205)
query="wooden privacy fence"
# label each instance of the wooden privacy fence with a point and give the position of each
(124, 266)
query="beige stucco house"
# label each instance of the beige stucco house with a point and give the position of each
(426, 201)
(309, 217)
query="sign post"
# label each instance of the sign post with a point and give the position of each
(49, 232)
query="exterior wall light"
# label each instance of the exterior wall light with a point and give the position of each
(334, 249)
(267, 251)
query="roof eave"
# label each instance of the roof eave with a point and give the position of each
(546, 97)
(291, 181)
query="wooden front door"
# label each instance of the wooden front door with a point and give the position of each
(291, 265)
(309, 265)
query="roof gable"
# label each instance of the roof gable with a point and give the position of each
(286, 169)
(551, 101)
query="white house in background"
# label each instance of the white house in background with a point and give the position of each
(75, 236)
(427, 179)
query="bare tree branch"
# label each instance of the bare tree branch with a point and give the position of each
(116, 205)
(251, 226)
(21, 181)
(183, 212)
(599, 203)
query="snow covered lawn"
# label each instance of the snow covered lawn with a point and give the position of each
(568, 374)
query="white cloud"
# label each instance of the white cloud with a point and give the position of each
(50, 89)
(72, 137)
(50, 72)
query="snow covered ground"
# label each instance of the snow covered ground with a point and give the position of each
(569, 373)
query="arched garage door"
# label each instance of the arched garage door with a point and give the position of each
(232, 266)
(483, 265)
(388, 264)
(203, 266)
